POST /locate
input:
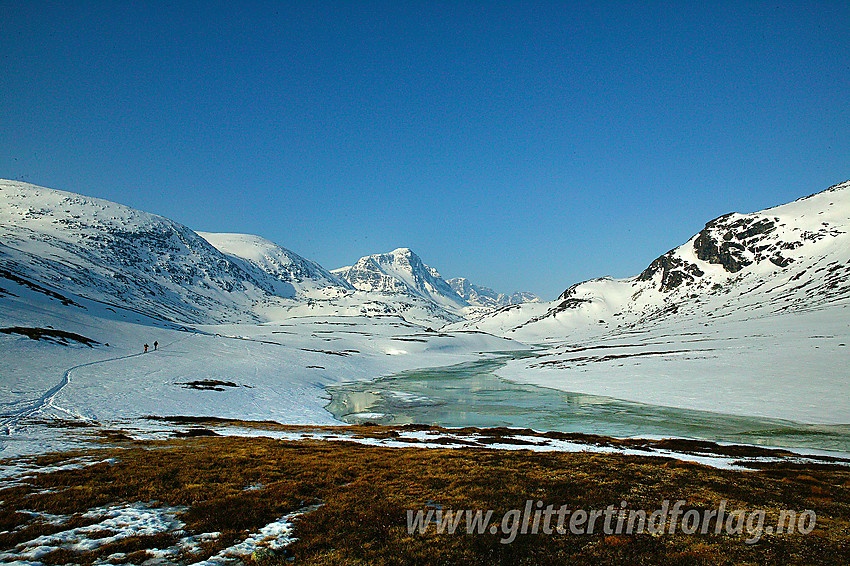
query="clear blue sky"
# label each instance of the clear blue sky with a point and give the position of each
(525, 145)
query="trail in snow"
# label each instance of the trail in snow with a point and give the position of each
(8, 424)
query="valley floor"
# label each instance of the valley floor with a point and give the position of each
(113, 455)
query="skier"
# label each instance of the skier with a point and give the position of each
(146, 348)
(155, 345)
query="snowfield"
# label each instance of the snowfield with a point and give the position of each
(273, 371)
(792, 367)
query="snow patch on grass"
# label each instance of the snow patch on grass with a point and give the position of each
(275, 536)
(123, 521)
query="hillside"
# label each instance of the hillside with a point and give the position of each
(789, 258)
(116, 255)
(750, 316)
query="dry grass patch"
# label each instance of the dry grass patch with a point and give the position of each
(236, 486)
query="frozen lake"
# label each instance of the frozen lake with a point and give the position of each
(470, 394)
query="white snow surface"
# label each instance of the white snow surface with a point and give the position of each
(120, 256)
(288, 267)
(275, 535)
(122, 521)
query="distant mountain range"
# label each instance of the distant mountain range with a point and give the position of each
(114, 254)
(786, 258)
(486, 297)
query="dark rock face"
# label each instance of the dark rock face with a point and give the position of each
(735, 244)
(572, 303)
(730, 241)
(780, 261)
(674, 271)
(727, 254)
(569, 292)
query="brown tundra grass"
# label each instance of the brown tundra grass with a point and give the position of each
(364, 492)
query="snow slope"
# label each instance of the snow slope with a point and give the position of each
(117, 255)
(254, 252)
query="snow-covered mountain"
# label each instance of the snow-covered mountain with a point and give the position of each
(487, 298)
(402, 272)
(297, 274)
(68, 243)
(114, 254)
(793, 257)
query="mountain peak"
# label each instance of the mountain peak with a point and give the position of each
(401, 271)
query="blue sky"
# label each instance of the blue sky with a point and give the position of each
(525, 145)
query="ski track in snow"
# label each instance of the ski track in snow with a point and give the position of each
(8, 425)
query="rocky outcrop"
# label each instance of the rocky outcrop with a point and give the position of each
(674, 271)
(736, 241)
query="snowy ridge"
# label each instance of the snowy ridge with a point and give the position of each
(123, 257)
(487, 298)
(64, 243)
(254, 252)
(115, 254)
(788, 258)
